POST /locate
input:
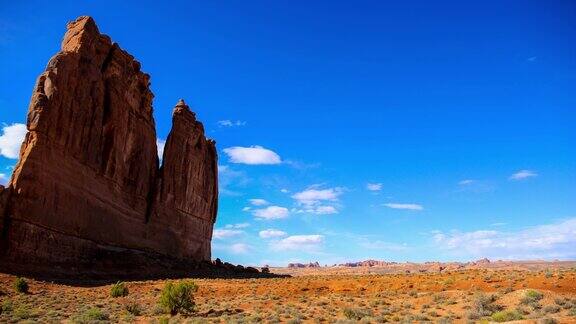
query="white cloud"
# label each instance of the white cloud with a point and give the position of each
(229, 178)
(271, 212)
(258, 202)
(252, 155)
(11, 140)
(240, 248)
(231, 123)
(221, 234)
(271, 233)
(247, 208)
(404, 206)
(299, 243)
(523, 174)
(318, 210)
(284, 190)
(3, 179)
(160, 143)
(374, 186)
(240, 225)
(313, 196)
(550, 241)
(466, 182)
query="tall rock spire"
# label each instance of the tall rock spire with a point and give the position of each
(88, 183)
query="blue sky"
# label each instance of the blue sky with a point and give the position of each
(420, 130)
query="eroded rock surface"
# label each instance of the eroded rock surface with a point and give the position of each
(88, 189)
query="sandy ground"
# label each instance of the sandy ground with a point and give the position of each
(316, 295)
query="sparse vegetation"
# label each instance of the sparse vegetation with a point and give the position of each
(92, 315)
(21, 285)
(356, 313)
(119, 289)
(378, 298)
(506, 316)
(484, 305)
(178, 297)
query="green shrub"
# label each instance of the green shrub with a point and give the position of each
(22, 312)
(532, 298)
(178, 297)
(133, 309)
(533, 295)
(551, 309)
(506, 316)
(119, 289)
(572, 312)
(6, 306)
(92, 315)
(356, 313)
(484, 305)
(20, 285)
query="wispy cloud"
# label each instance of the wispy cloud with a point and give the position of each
(221, 234)
(253, 155)
(317, 210)
(240, 248)
(231, 123)
(3, 179)
(271, 233)
(258, 202)
(314, 196)
(466, 182)
(539, 242)
(239, 225)
(271, 212)
(228, 178)
(316, 201)
(11, 140)
(414, 207)
(307, 243)
(374, 186)
(522, 175)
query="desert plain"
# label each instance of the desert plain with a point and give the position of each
(520, 292)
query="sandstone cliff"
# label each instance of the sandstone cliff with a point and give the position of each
(88, 189)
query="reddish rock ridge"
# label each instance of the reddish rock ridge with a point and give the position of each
(88, 190)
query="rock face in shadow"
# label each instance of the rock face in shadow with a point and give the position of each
(88, 191)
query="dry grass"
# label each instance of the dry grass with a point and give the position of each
(461, 296)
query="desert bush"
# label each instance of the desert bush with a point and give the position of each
(6, 306)
(92, 315)
(133, 308)
(572, 312)
(484, 305)
(119, 289)
(20, 285)
(551, 309)
(506, 316)
(532, 298)
(178, 297)
(356, 313)
(547, 321)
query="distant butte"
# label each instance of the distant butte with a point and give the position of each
(88, 192)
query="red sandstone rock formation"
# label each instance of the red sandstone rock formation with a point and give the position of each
(88, 188)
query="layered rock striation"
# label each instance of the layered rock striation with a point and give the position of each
(88, 190)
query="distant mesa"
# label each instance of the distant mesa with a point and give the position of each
(88, 192)
(304, 265)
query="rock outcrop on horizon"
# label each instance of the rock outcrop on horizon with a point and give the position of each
(88, 189)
